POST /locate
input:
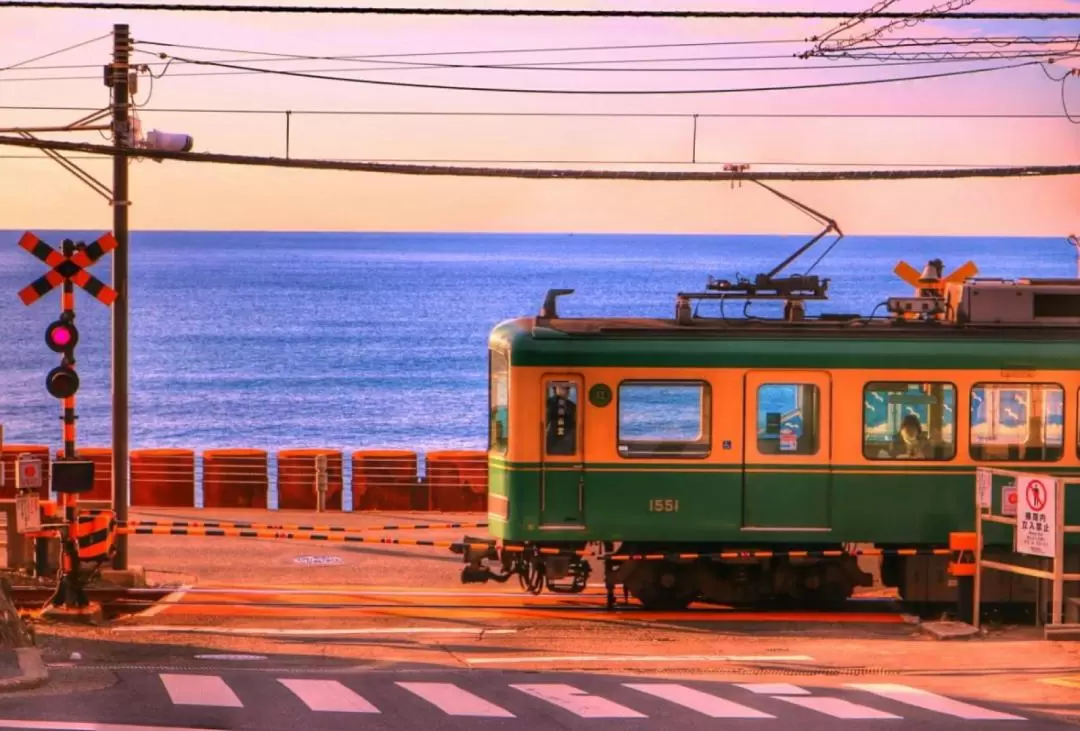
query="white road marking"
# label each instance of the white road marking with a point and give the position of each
(773, 688)
(577, 701)
(698, 701)
(315, 632)
(836, 707)
(169, 600)
(86, 726)
(454, 701)
(199, 690)
(635, 658)
(327, 695)
(933, 702)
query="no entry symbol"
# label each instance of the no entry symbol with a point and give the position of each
(1035, 495)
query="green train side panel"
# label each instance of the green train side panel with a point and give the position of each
(819, 350)
(907, 509)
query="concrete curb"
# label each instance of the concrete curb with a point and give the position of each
(34, 674)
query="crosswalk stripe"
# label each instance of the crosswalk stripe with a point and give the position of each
(454, 701)
(578, 701)
(836, 707)
(327, 695)
(773, 688)
(697, 700)
(933, 702)
(199, 690)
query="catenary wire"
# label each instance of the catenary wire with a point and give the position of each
(542, 173)
(697, 163)
(523, 12)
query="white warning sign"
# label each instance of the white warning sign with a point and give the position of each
(1036, 520)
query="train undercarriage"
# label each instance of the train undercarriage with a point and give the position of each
(674, 581)
(671, 578)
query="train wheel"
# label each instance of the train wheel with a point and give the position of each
(663, 586)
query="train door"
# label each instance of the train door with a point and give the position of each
(787, 453)
(562, 474)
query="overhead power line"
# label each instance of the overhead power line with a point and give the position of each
(606, 92)
(420, 66)
(504, 161)
(57, 52)
(521, 12)
(596, 115)
(542, 173)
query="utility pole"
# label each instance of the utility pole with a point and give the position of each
(123, 136)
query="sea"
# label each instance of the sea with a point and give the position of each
(354, 341)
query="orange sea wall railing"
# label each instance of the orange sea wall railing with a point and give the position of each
(285, 479)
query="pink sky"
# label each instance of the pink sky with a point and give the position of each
(195, 196)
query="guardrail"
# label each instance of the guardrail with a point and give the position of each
(286, 479)
(1039, 530)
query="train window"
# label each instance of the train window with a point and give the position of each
(560, 424)
(909, 421)
(1017, 422)
(788, 418)
(664, 419)
(499, 402)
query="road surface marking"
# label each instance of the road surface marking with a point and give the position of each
(836, 707)
(316, 632)
(454, 701)
(327, 695)
(933, 702)
(698, 701)
(636, 658)
(199, 690)
(578, 702)
(773, 688)
(171, 599)
(86, 726)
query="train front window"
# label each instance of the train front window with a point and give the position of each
(498, 402)
(909, 421)
(1017, 422)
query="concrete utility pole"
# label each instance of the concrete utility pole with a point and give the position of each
(122, 137)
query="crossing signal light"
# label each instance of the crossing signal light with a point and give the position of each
(61, 336)
(62, 381)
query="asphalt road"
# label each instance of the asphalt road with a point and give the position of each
(265, 698)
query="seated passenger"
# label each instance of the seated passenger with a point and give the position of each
(911, 442)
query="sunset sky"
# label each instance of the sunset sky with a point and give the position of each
(38, 193)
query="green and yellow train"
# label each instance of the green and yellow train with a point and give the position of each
(690, 436)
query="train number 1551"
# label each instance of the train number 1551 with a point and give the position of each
(664, 506)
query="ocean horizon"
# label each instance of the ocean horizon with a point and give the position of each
(370, 340)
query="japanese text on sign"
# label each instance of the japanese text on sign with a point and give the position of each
(1036, 522)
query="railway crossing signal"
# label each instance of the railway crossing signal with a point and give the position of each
(933, 277)
(70, 475)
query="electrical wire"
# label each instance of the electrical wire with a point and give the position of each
(541, 173)
(597, 115)
(417, 67)
(946, 8)
(605, 92)
(517, 12)
(696, 163)
(55, 53)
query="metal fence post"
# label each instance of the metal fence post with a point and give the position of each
(320, 482)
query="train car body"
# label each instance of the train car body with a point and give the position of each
(699, 435)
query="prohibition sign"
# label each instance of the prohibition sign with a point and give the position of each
(1035, 494)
